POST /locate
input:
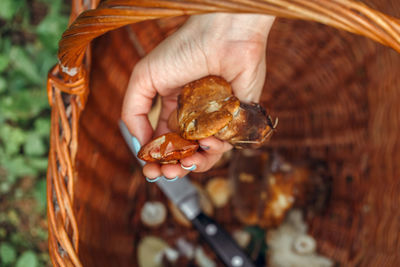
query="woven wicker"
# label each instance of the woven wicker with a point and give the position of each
(338, 99)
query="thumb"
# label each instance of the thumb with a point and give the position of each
(137, 104)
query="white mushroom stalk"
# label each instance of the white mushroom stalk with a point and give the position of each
(153, 214)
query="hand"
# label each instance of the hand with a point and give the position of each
(229, 45)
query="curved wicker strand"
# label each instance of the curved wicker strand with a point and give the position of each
(351, 16)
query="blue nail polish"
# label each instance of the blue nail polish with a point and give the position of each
(152, 180)
(205, 147)
(174, 179)
(191, 168)
(136, 144)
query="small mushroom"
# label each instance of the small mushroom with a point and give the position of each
(171, 254)
(153, 214)
(167, 149)
(219, 191)
(304, 244)
(289, 245)
(279, 199)
(185, 248)
(205, 204)
(242, 237)
(284, 188)
(202, 259)
(150, 251)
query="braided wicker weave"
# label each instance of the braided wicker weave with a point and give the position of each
(338, 99)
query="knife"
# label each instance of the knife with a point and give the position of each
(184, 195)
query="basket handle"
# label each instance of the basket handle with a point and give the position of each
(347, 15)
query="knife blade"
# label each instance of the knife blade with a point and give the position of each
(184, 195)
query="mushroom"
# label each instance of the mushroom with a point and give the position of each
(304, 244)
(205, 204)
(250, 127)
(265, 187)
(242, 237)
(207, 107)
(151, 251)
(202, 260)
(284, 188)
(185, 248)
(167, 149)
(289, 245)
(153, 214)
(219, 191)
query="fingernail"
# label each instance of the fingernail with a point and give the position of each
(153, 180)
(136, 144)
(191, 168)
(205, 147)
(173, 179)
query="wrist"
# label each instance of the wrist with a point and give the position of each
(232, 27)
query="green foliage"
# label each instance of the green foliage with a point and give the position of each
(24, 110)
(29, 35)
(27, 259)
(8, 8)
(7, 253)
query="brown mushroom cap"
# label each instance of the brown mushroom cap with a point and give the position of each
(207, 107)
(249, 128)
(167, 148)
(203, 101)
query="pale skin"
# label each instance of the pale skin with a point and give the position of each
(232, 46)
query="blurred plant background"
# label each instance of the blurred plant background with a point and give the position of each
(29, 34)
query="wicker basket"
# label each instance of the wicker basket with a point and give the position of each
(338, 99)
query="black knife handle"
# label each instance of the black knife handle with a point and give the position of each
(221, 242)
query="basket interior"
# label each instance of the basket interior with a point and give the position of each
(336, 96)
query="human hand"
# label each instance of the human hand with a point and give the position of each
(229, 45)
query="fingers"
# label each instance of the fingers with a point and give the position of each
(212, 150)
(170, 171)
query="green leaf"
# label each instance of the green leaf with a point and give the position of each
(7, 253)
(13, 138)
(42, 127)
(41, 193)
(3, 85)
(50, 29)
(17, 166)
(23, 105)
(27, 259)
(8, 8)
(25, 64)
(4, 60)
(39, 164)
(34, 145)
